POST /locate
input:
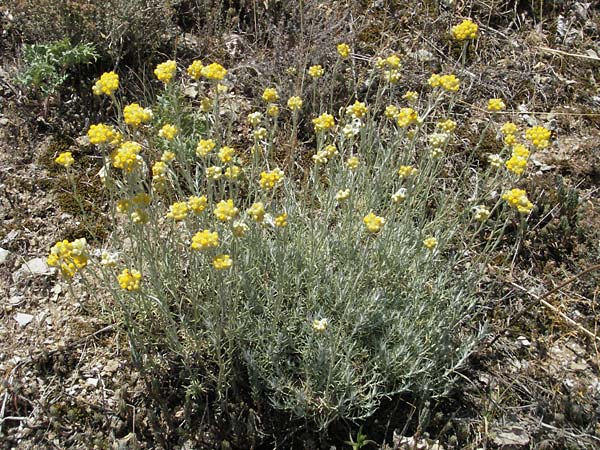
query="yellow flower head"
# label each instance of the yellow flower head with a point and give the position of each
(496, 104)
(481, 213)
(269, 180)
(406, 171)
(159, 169)
(203, 240)
(130, 279)
(324, 122)
(254, 118)
(69, 257)
(430, 243)
(352, 162)
(214, 71)
(257, 212)
(259, 134)
(411, 96)
(330, 150)
(448, 125)
(272, 110)
(538, 136)
(167, 156)
(391, 112)
(107, 84)
(496, 161)
(194, 70)
(222, 262)
(373, 223)
(516, 164)
(358, 110)
(320, 157)
(232, 172)
(168, 132)
(392, 76)
(127, 157)
(509, 128)
(205, 146)
(225, 211)
(270, 95)
(226, 154)
(343, 194)
(343, 50)
(281, 220)
(100, 133)
(447, 82)
(214, 172)
(178, 211)
(294, 103)
(406, 117)
(467, 29)
(134, 115)
(197, 204)
(239, 229)
(166, 71)
(320, 325)
(517, 198)
(316, 71)
(65, 159)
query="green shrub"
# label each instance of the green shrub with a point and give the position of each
(349, 277)
(46, 66)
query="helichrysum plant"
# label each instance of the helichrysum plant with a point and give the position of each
(321, 292)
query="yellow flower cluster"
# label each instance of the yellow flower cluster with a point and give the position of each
(272, 110)
(222, 262)
(316, 71)
(481, 213)
(448, 82)
(399, 196)
(134, 115)
(159, 175)
(269, 180)
(517, 198)
(259, 134)
(65, 159)
(129, 280)
(391, 111)
(206, 239)
(448, 125)
(343, 50)
(214, 172)
(194, 70)
(135, 206)
(343, 194)
(281, 220)
(166, 71)
(320, 325)
(69, 257)
(495, 161)
(538, 136)
(509, 128)
(257, 212)
(205, 146)
(239, 229)
(225, 211)
(226, 154)
(467, 29)
(101, 133)
(214, 71)
(430, 243)
(197, 204)
(107, 84)
(232, 172)
(411, 96)
(407, 171)
(127, 157)
(254, 118)
(352, 162)
(496, 104)
(357, 110)
(270, 95)
(373, 223)
(406, 117)
(294, 103)
(178, 211)
(324, 122)
(168, 132)
(518, 160)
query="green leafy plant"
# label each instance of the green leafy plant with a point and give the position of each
(46, 66)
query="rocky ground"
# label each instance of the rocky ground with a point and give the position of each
(534, 382)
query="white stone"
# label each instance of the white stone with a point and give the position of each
(23, 319)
